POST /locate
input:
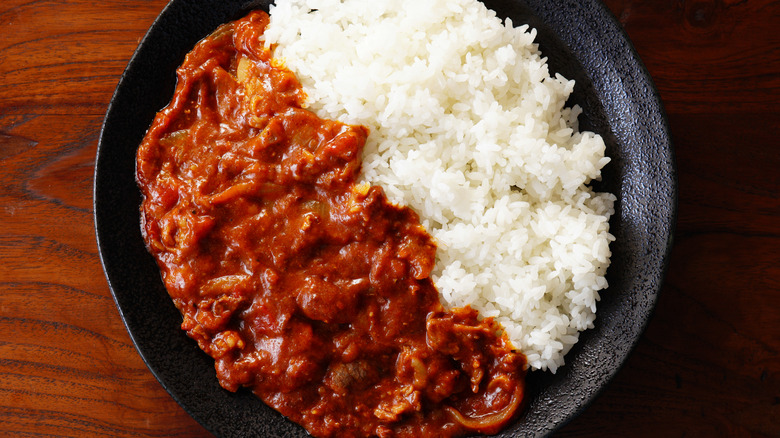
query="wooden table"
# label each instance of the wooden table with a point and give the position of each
(708, 364)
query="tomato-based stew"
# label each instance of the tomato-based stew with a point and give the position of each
(306, 287)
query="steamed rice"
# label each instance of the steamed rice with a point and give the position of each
(470, 130)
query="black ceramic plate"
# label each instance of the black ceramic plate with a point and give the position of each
(582, 41)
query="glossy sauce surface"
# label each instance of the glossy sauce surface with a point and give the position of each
(309, 289)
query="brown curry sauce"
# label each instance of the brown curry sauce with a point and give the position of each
(304, 286)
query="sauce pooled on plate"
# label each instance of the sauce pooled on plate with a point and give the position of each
(304, 286)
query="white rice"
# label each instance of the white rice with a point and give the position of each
(469, 129)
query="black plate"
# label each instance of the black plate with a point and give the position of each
(582, 41)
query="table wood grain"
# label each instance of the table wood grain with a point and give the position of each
(708, 364)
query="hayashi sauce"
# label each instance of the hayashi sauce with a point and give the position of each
(307, 288)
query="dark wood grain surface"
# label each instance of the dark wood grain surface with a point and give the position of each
(708, 364)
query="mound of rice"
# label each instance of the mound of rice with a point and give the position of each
(469, 129)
